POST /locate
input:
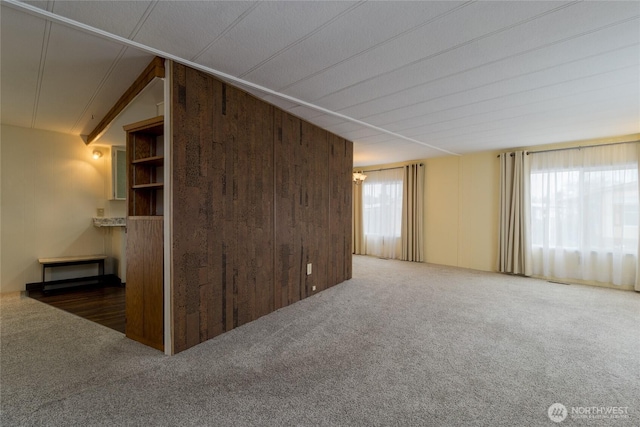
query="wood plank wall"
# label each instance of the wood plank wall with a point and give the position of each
(257, 194)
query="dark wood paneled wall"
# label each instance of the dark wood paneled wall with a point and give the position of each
(257, 194)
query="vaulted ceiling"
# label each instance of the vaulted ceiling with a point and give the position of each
(403, 80)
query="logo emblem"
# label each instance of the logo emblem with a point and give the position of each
(557, 412)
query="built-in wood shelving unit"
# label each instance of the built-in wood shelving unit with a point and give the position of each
(151, 161)
(145, 155)
(145, 241)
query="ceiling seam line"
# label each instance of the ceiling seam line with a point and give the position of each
(43, 59)
(452, 48)
(415, 104)
(305, 37)
(442, 134)
(507, 95)
(558, 109)
(500, 132)
(143, 19)
(481, 86)
(402, 34)
(497, 126)
(459, 45)
(230, 27)
(410, 88)
(497, 129)
(225, 76)
(104, 80)
(518, 106)
(367, 136)
(546, 128)
(500, 109)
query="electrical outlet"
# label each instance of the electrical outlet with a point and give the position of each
(100, 212)
(308, 269)
(313, 288)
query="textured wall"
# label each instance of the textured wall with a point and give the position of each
(257, 194)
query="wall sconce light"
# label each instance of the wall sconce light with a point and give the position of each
(359, 177)
(97, 154)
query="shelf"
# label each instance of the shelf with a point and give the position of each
(145, 167)
(150, 161)
(147, 217)
(154, 126)
(151, 186)
(145, 232)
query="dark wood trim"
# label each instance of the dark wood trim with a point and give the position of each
(154, 125)
(153, 70)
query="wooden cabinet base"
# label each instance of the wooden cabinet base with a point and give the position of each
(145, 341)
(144, 296)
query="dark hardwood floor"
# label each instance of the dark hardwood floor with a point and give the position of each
(100, 304)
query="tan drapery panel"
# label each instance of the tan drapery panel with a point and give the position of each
(413, 213)
(357, 229)
(514, 244)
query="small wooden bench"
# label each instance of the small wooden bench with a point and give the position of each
(70, 261)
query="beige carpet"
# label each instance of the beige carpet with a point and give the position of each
(401, 344)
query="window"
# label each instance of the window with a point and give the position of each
(584, 214)
(606, 200)
(382, 212)
(382, 204)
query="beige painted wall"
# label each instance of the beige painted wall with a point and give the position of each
(461, 205)
(478, 231)
(50, 189)
(461, 210)
(442, 210)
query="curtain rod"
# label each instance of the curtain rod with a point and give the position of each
(388, 169)
(578, 147)
(581, 146)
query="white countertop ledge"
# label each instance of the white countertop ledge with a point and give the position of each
(110, 222)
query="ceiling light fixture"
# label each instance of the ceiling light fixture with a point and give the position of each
(359, 177)
(97, 154)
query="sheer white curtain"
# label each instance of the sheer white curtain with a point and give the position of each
(382, 213)
(584, 214)
(357, 231)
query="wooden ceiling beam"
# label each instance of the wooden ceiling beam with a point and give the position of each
(153, 70)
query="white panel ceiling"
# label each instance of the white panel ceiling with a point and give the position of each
(122, 18)
(267, 32)
(79, 70)
(20, 60)
(403, 80)
(188, 29)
